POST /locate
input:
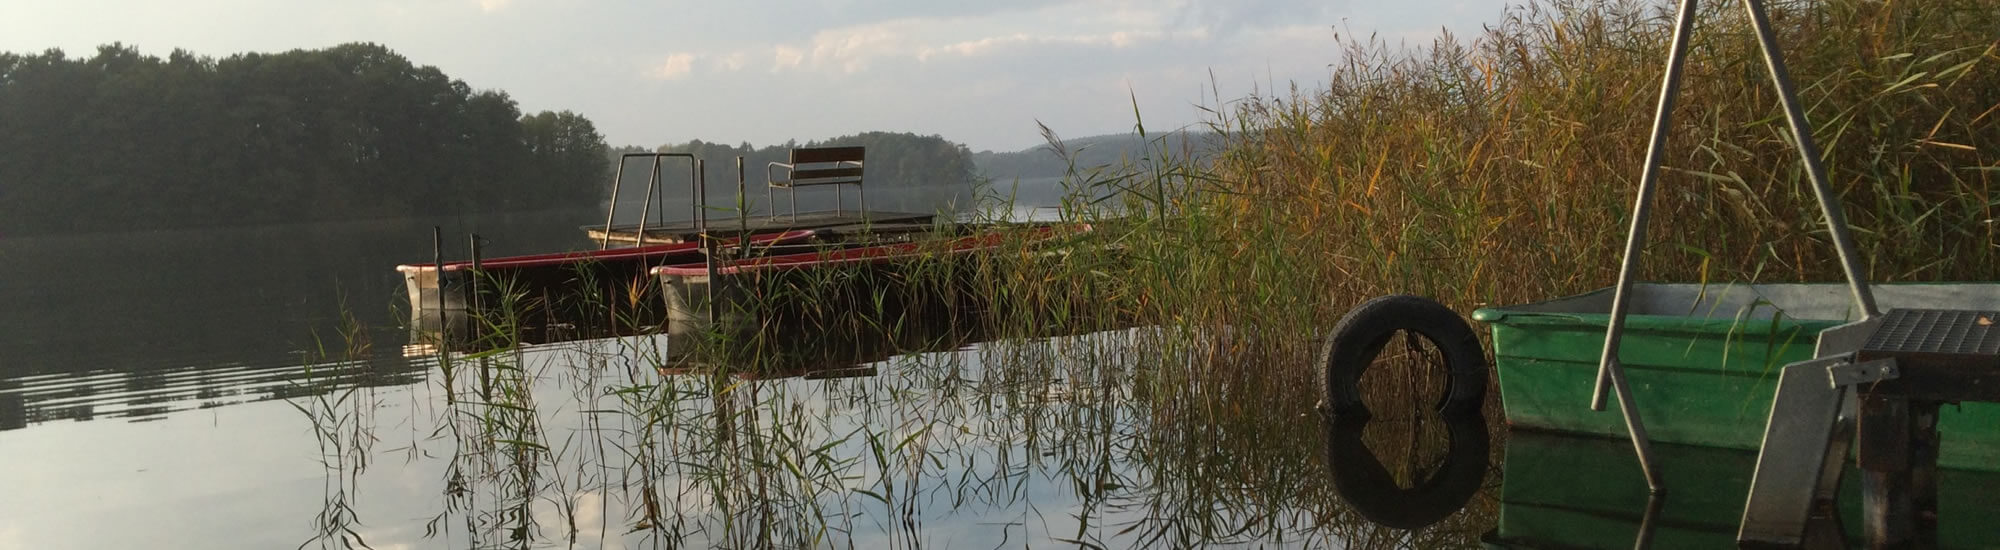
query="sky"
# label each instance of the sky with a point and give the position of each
(979, 72)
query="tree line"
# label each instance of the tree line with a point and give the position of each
(120, 140)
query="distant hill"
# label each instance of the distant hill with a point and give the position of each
(1085, 153)
(1033, 177)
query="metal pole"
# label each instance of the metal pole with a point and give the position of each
(660, 213)
(698, 188)
(1829, 203)
(652, 181)
(742, 213)
(472, 243)
(613, 209)
(701, 230)
(1642, 207)
(1609, 371)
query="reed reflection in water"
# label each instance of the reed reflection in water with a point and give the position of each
(1122, 438)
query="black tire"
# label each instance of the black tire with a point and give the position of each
(1360, 335)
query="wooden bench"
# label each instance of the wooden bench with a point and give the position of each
(815, 166)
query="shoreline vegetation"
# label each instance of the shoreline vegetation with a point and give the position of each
(1496, 170)
(1500, 170)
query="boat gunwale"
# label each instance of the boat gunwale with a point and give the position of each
(1543, 312)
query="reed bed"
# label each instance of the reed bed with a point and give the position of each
(1159, 369)
(1501, 169)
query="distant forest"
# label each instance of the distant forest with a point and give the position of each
(121, 140)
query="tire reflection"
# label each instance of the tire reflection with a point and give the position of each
(1433, 495)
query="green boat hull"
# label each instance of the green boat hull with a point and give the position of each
(1703, 361)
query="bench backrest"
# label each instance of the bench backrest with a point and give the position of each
(826, 166)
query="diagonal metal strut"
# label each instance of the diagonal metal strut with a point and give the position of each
(1611, 373)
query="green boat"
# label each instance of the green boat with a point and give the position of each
(1703, 360)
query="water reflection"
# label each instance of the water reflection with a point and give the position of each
(935, 434)
(153, 393)
(1430, 493)
(137, 325)
(1572, 492)
(1081, 440)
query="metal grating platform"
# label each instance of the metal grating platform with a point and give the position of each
(1941, 333)
(1942, 355)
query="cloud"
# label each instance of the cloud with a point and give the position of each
(490, 6)
(786, 57)
(1074, 30)
(676, 66)
(993, 44)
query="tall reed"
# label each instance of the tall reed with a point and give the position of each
(1501, 170)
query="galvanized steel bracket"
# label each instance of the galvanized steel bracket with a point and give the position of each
(1865, 372)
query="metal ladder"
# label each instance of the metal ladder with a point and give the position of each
(1811, 427)
(1909, 360)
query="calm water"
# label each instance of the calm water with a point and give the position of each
(249, 388)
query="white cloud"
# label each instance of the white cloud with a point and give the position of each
(676, 66)
(992, 44)
(786, 57)
(850, 49)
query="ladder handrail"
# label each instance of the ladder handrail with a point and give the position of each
(653, 180)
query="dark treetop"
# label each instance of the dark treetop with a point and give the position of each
(121, 140)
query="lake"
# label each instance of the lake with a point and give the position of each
(257, 388)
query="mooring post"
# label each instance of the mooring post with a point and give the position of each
(1898, 460)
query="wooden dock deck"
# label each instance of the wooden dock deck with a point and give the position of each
(826, 221)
